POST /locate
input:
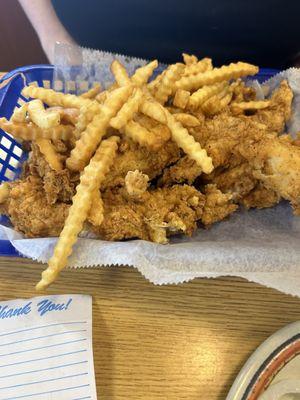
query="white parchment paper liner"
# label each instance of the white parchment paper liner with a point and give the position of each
(259, 245)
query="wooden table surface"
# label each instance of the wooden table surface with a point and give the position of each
(164, 342)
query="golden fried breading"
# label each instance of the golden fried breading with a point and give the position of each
(217, 205)
(237, 180)
(297, 210)
(260, 197)
(279, 112)
(276, 163)
(131, 156)
(184, 171)
(221, 134)
(296, 141)
(136, 183)
(282, 99)
(241, 92)
(154, 216)
(29, 211)
(58, 185)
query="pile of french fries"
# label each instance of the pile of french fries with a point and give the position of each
(95, 121)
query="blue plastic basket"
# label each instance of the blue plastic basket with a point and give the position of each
(11, 154)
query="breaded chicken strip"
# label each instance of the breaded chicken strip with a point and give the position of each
(133, 157)
(154, 216)
(260, 197)
(279, 112)
(58, 185)
(276, 163)
(221, 134)
(217, 205)
(237, 181)
(184, 171)
(29, 211)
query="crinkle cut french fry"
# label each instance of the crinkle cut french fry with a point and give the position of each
(204, 93)
(143, 74)
(31, 131)
(160, 131)
(181, 98)
(202, 66)
(189, 59)
(188, 144)
(102, 96)
(96, 213)
(19, 114)
(167, 84)
(67, 115)
(227, 72)
(251, 105)
(50, 154)
(40, 117)
(86, 115)
(141, 135)
(4, 192)
(216, 103)
(93, 92)
(53, 98)
(96, 129)
(152, 86)
(120, 73)
(153, 110)
(91, 179)
(187, 120)
(128, 110)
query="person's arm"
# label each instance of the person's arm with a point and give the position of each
(48, 27)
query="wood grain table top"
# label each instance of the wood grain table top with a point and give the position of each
(184, 341)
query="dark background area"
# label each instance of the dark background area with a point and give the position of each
(19, 44)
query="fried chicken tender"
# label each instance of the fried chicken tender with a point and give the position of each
(279, 112)
(58, 185)
(222, 133)
(154, 216)
(237, 181)
(276, 163)
(184, 171)
(260, 197)
(133, 157)
(217, 205)
(29, 211)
